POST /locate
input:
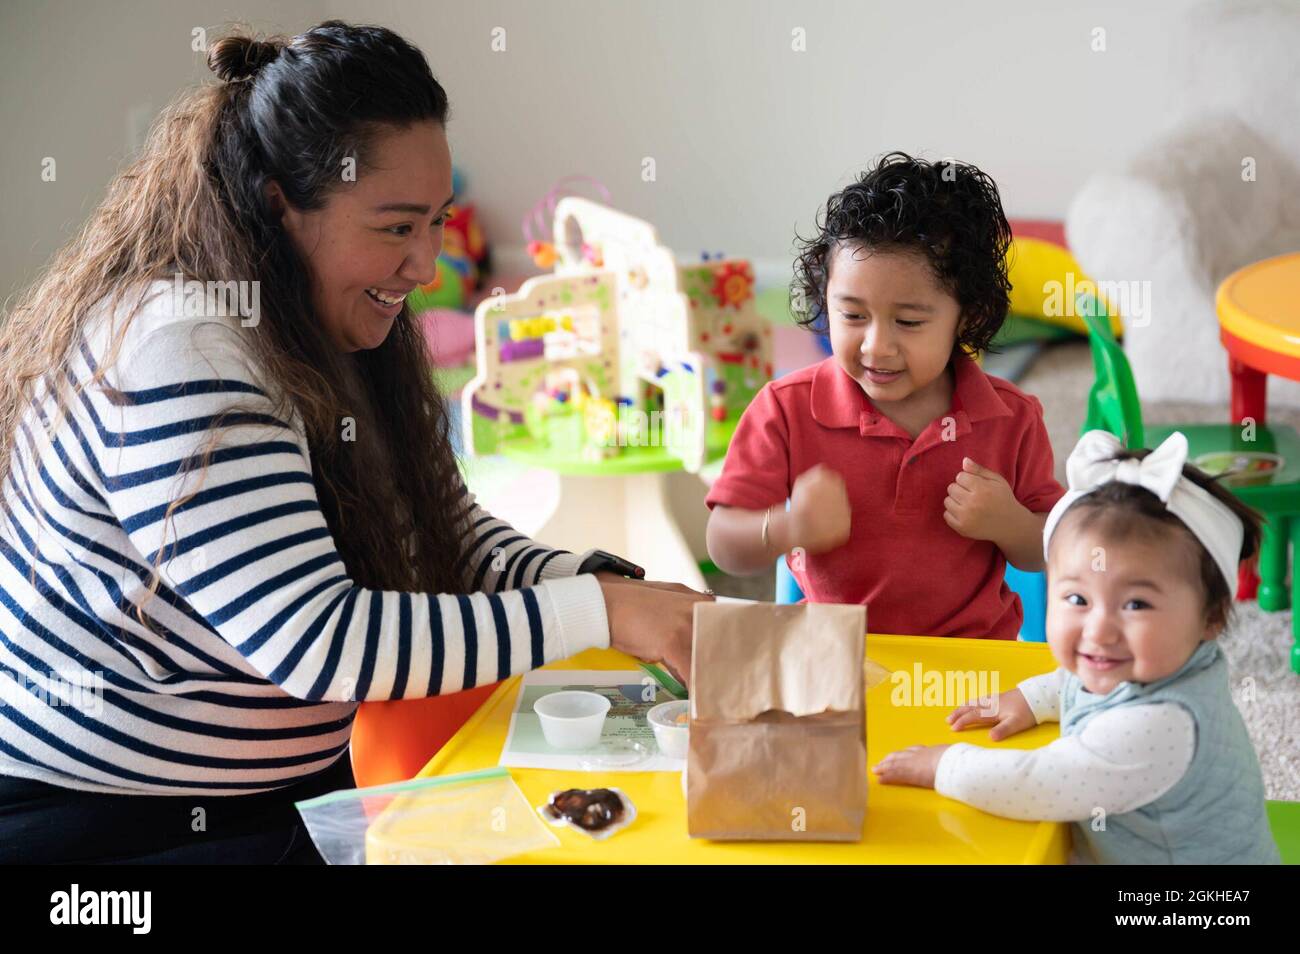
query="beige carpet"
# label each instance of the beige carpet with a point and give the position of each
(1257, 644)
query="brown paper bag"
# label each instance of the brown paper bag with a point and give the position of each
(778, 724)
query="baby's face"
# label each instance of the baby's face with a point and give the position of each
(892, 325)
(1130, 611)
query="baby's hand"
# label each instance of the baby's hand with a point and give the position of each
(912, 766)
(1008, 713)
(820, 513)
(979, 502)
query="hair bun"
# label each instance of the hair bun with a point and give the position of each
(235, 58)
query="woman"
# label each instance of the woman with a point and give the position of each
(234, 527)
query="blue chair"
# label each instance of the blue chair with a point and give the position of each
(1032, 590)
(787, 589)
(1030, 587)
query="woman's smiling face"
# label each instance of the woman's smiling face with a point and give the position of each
(377, 238)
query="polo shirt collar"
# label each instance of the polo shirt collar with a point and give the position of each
(839, 401)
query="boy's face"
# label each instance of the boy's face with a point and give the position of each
(1122, 612)
(892, 326)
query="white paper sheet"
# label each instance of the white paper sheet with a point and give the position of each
(632, 693)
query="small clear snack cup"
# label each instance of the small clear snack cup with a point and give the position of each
(468, 819)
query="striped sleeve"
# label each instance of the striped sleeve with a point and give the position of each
(501, 558)
(245, 543)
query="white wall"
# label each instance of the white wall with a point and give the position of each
(748, 136)
(78, 81)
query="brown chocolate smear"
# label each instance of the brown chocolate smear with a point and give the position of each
(590, 809)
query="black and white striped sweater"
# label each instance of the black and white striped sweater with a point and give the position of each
(262, 645)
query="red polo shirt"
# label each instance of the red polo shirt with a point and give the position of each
(915, 573)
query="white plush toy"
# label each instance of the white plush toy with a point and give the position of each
(1217, 189)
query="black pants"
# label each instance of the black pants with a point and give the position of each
(46, 824)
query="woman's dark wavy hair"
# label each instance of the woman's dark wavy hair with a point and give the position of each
(1123, 511)
(306, 107)
(948, 211)
(194, 202)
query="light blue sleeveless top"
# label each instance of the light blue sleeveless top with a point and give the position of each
(1215, 813)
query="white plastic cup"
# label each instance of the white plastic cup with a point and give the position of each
(673, 737)
(572, 719)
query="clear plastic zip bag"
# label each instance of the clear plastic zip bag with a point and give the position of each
(469, 819)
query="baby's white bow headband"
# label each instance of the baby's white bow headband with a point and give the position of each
(1161, 472)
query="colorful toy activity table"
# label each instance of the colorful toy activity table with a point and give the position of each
(1259, 325)
(904, 825)
(621, 371)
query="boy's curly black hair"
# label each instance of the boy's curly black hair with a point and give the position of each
(948, 211)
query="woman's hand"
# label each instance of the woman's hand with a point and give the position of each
(913, 766)
(652, 621)
(1008, 713)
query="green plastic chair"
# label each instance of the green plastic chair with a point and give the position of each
(1113, 406)
(1284, 821)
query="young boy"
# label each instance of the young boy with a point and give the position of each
(912, 476)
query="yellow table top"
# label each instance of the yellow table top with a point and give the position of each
(1261, 304)
(904, 825)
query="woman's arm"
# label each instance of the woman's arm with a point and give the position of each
(500, 558)
(250, 550)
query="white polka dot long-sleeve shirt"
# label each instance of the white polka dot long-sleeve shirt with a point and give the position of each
(1122, 759)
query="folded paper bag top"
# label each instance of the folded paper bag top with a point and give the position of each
(808, 659)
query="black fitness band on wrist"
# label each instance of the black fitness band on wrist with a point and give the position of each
(602, 560)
